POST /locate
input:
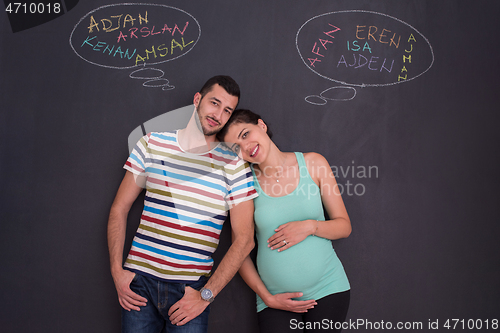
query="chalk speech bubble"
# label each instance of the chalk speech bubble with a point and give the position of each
(362, 48)
(134, 34)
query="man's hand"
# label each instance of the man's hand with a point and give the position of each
(190, 306)
(128, 299)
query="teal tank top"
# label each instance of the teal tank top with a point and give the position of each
(312, 266)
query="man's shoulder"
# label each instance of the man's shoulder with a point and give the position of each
(167, 134)
(160, 137)
(230, 158)
(223, 149)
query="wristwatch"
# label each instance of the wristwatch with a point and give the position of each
(207, 295)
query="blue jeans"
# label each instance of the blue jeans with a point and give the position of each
(153, 318)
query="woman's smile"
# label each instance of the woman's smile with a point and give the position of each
(255, 151)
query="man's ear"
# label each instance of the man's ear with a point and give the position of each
(197, 99)
(262, 125)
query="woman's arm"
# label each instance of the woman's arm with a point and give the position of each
(339, 225)
(282, 301)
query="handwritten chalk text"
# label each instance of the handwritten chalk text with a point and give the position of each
(106, 49)
(162, 51)
(146, 31)
(360, 61)
(114, 22)
(130, 34)
(371, 32)
(406, 58)
(324, 43)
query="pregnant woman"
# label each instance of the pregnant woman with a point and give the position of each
(300, 282)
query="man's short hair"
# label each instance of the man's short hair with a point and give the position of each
(226, 82)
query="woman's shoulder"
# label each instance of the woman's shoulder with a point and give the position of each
(313, 158)
(317, 165)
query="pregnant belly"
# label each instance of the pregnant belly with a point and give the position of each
(297, 269)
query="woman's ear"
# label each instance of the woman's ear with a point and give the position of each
(262, 125)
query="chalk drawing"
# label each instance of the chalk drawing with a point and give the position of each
(152, 81)
(361, 49)
(135, 35)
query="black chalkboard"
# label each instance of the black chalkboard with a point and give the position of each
(401, 97)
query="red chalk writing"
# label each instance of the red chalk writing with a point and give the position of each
(323, 42)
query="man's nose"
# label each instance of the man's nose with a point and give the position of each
(217, 114)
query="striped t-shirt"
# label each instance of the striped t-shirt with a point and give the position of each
(187, 200)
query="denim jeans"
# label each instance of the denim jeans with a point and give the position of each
(153, 318)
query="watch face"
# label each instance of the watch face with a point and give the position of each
(206, 293)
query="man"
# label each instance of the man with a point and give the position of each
(165, 283)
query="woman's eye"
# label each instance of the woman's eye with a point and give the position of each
(244, 135)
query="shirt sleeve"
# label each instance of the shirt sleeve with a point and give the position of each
(136, 162)
(241, 184)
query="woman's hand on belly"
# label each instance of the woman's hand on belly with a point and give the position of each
(285, 302)
(291, 233)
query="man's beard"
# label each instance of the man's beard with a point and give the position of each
(205, 130)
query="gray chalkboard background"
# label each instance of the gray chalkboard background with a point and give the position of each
(416, 155)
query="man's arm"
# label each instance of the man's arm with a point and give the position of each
(117, 226)
(192, 305)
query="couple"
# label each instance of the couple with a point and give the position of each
(192, 180)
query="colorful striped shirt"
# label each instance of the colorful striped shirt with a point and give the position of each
(187, 200)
